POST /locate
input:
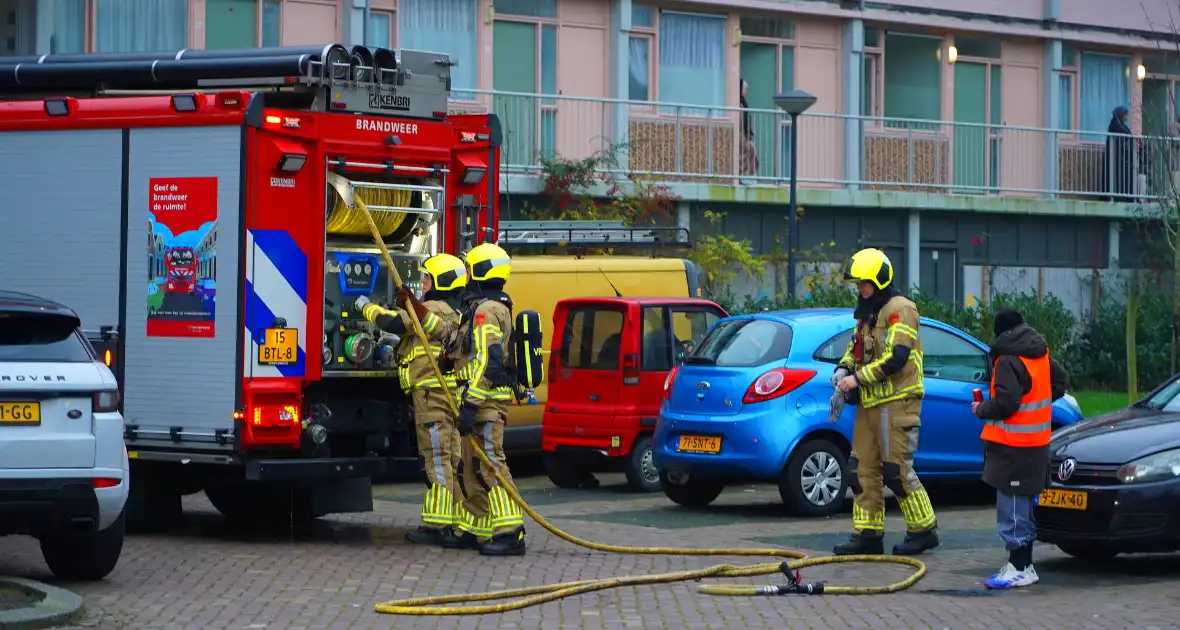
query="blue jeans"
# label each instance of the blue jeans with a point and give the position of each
(1014, 520)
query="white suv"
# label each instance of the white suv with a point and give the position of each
(63, 467)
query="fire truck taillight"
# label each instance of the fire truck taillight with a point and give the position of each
(229, 101)
(106, 358)
(284, 416)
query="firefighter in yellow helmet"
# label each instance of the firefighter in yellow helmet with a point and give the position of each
(882, 372)
(444, 279)
(480, 346)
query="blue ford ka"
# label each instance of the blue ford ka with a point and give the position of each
(751, 404)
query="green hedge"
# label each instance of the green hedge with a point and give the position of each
(1094, 350)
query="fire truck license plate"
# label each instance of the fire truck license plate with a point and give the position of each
(280, 347)
(23, 413)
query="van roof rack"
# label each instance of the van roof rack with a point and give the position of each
(584, 234)
(354, 79)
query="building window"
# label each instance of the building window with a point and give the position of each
(1105, 85)
(691, 62)
(445, 26)
(1067, 83)
(527, 8)
(912, 81)
(870, 94)
(639, 60)
(380, 33)
(977, 102)
(35, 27)
(140, 25)
(524, 65)
(271, 23)
(231, 24)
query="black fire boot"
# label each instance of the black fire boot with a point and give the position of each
(862, 543)
(424, 536)
(507, 544)
(451, 539)
(917, 542)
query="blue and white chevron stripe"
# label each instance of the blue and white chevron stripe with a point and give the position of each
(276, 286)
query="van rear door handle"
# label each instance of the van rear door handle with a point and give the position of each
(593, 397)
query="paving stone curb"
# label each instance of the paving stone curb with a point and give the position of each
(56, 607)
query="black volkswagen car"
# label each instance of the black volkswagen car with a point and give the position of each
(1115, 481)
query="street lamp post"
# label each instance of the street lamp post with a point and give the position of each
(793, 102)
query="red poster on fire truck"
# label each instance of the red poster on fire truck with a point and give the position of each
(182, 248)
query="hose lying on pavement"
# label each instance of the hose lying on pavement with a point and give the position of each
(534, 595)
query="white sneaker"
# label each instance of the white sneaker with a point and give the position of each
(1009, 577)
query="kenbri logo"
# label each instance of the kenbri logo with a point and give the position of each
(282, 182)
(387, 126)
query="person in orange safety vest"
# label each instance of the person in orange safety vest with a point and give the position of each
(1017, 416)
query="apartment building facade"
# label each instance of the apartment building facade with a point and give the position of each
(957, 140)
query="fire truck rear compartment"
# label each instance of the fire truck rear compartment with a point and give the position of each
(359, 400)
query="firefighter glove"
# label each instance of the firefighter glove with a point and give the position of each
(362, 302)
(403, 295)
(840, 373)
(835, 405)
(467, 413)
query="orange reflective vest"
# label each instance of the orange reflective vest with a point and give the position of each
(1031, 425)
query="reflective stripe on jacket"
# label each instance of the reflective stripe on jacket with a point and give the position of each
(1032, 423)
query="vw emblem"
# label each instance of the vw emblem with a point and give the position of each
(1066, 469)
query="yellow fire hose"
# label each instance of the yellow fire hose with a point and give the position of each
(532, 596)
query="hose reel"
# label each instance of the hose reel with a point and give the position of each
(398, 208)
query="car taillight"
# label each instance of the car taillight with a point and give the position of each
(775, 383)
(668, 383)
(630, 369)
(105, 482)
(283, 416)
(106, 402)
(106, 357)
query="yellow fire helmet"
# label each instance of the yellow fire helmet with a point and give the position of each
(446, 272)
(869, 265)
(489, 262)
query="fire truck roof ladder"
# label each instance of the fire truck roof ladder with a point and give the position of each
(354, 79)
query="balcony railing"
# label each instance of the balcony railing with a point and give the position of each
(685, 142)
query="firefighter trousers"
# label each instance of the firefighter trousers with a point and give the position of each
(884, 439)
(434, 423)
(487, 510)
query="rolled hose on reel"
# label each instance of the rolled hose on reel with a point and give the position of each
(343, 220)
(532, 596)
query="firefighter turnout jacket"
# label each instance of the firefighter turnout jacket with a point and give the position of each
(872, 358)
(413, 369)
(482, 341)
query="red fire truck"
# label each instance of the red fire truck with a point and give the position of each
(264, 389)
(181, 265)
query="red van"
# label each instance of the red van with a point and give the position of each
(607, 365)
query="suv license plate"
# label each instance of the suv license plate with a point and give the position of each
(20, 413)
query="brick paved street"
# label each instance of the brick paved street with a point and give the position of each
(331, 575)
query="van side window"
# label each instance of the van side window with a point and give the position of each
(657, 351)
(592, 339)
(688, 328)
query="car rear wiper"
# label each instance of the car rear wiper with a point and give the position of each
(692, 360)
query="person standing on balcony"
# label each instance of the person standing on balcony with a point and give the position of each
(1018, 423)
(1118, 164)
(749, 156)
